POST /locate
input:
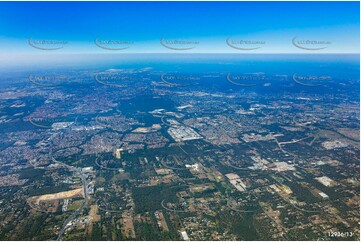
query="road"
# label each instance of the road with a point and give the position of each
(79, 172)
(76, 212)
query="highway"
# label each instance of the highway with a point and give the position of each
(79, 173)
(76, 212)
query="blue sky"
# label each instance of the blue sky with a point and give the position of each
(209, 23)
